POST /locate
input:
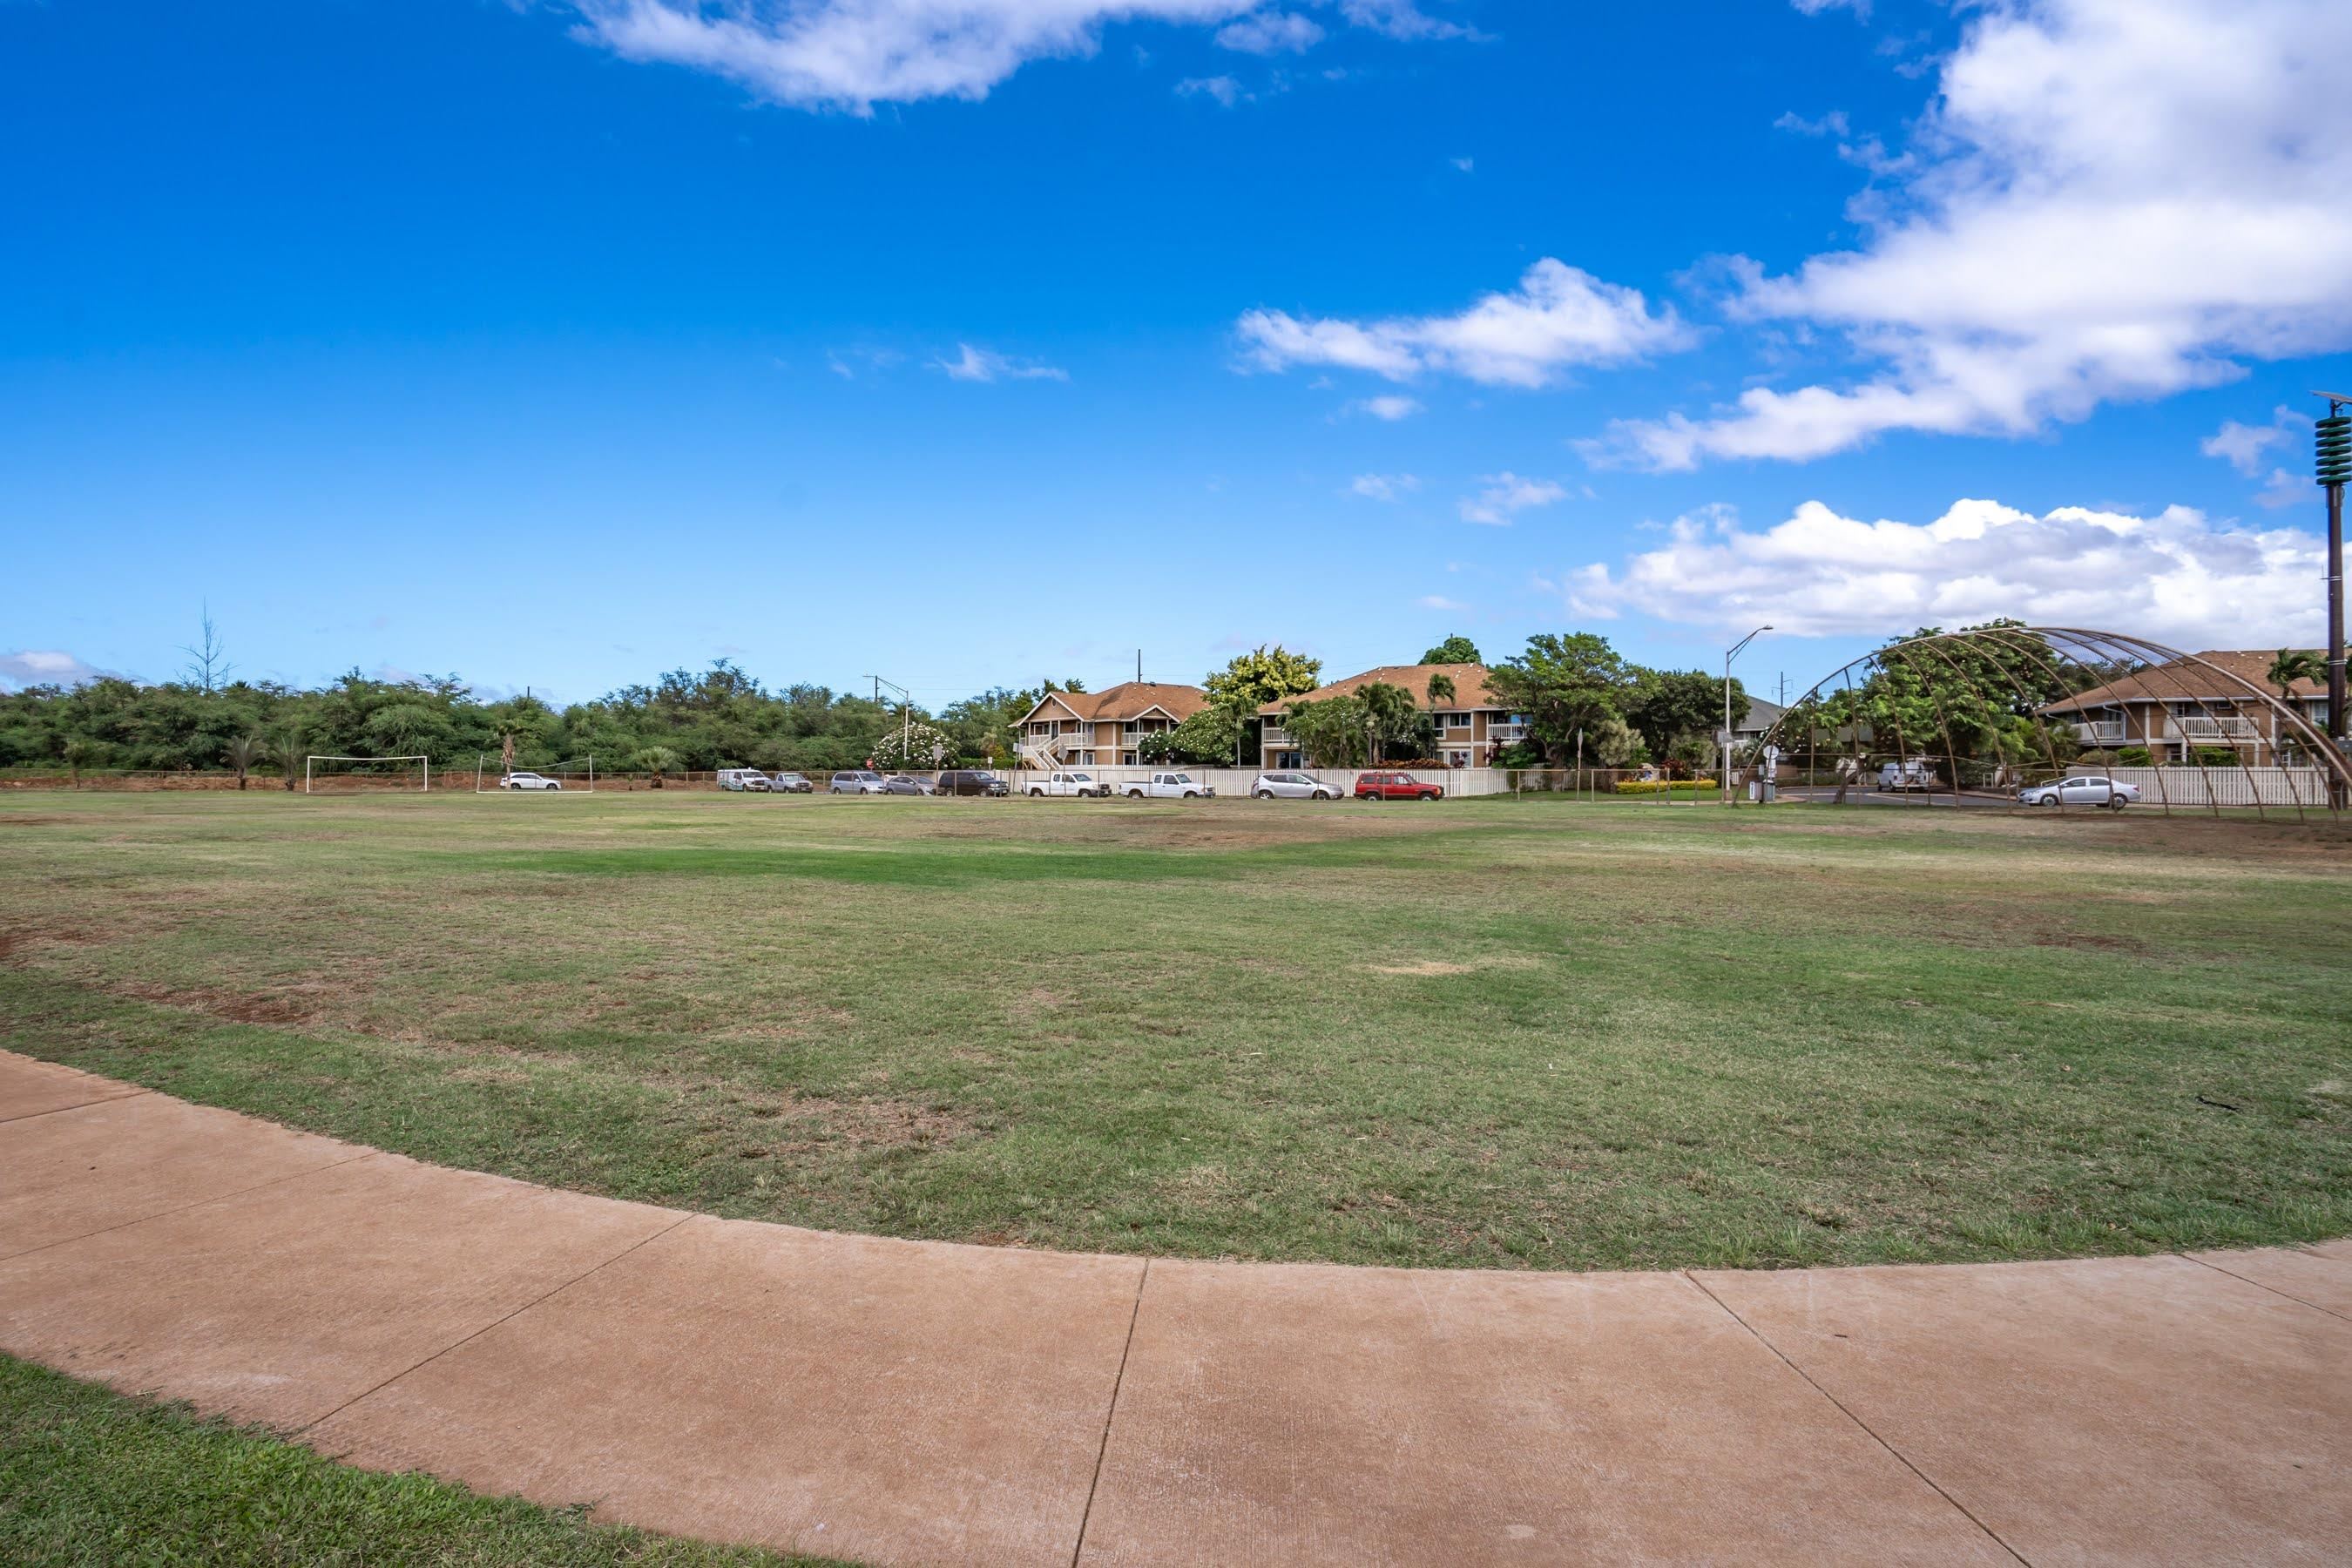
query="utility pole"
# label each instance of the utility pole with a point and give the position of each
(2334, 467)
(906, 716)
(1723, 762)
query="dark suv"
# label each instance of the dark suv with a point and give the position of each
(973, 781)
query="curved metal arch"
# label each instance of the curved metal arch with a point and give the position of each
(2055, 646)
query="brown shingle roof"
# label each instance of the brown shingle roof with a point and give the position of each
(2178, 681)
(1469, 686)
(1127, 700)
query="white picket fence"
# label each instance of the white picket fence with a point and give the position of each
(1457, 782)
(2306, 787)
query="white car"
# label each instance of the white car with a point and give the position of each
(750, 779)
(1071, 784)
(529, 781)
(2113, 793)
(1292, 786)
(1169, 786)
(1915, 774)
(857, 781)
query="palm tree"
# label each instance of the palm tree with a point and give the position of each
(2290, 666)
(76, 751)
(657, 761)
(1441, 692)
(286, 752)
(242, 753)
(1389, 714)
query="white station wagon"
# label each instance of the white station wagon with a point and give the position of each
(1292, 786)
(529, 781)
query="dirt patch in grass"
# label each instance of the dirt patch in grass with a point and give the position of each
(238, 1007)
(24, 939)
(812, 1122)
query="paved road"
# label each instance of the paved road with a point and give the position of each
(907, 1402)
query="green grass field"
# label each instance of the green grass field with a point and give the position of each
(90, 1479)
(1516, 1033)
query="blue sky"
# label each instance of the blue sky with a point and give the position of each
(559, 344)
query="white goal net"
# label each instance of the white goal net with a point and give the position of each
(576, 776)
(324, 774)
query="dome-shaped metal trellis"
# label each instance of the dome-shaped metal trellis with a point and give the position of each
(1977, 714)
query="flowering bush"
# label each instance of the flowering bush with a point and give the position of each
(917, 745)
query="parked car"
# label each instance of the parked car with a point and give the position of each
(2113, 793)
(790, 783)
(1169, 786)
(1395, 786)
(529, 781)
(971, 781)
(908, 784)
(1071, 784)
(1918, 773)
(856, 780)
(1292, 786)
(741, 779)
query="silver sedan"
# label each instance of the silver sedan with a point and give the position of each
(1293, 786)
(2113, 793)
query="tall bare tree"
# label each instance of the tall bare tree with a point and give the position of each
(208, 666)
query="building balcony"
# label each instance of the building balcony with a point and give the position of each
(2219, 730)
(2102, 732)
(1272, 737)
(1504, 734)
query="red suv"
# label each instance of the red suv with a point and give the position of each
(1395, 786)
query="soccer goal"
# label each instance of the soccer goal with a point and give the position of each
(577, 776)
(320, 772)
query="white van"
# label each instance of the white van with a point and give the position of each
(750, 779)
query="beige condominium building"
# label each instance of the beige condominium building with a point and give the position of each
(1101, 728)
(1472, 723)
(2182, 706)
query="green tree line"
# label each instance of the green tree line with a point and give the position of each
(687, 718)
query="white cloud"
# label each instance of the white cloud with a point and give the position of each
(1834, 123)
(852, 54)
(1405, 19)
(1271, 33)
(1223, 88)
(2175, 577)
(1506, 495)
(979, 364)
(2109, 200)
(1440, 602)
(39, 666)
(1384, 486)
(1389, 407)
(1557, 318)
(1467, 166)
(2282, 489)
(1860, 8)
(2243, 446)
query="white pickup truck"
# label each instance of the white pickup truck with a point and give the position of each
(1169, 786)
(1071, 784)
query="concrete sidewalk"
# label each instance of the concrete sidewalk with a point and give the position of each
(909, 1402)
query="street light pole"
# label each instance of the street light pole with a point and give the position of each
(2334, 467)
(906, 715)
(1723, 762)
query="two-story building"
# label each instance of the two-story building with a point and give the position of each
(1472, 723)
(2181, 707)
(1102, 729)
